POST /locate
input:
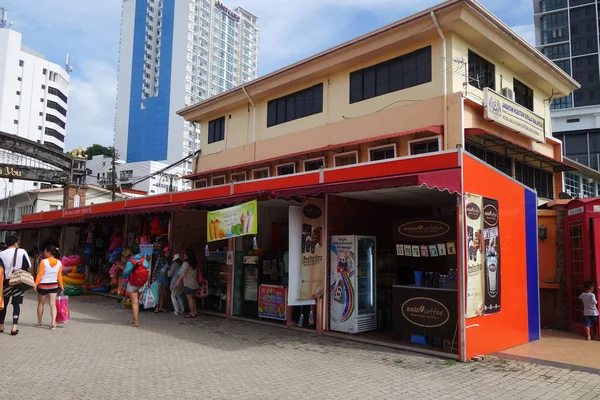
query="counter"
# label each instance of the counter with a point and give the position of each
(425, 311)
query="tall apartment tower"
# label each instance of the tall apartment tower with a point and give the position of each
(33, 96)
(174, 53)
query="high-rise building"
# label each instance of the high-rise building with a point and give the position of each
(174, 53)
(33, 97)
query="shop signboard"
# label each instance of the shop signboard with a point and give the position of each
(272, 302)
(475, 256)
(491, 236)
(425, 311)
(514, 116)
(421, 231)
(233, 221)
(312, 267)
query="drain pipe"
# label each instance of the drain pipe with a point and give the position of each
(444, 76)
(254, 116)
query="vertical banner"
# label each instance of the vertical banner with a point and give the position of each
(294, 259)
(491, 235)
(475, 256)
(341, 289)
(312, 268)
(146, 251)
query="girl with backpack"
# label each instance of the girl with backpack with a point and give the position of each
(136, 270)
(189, 277)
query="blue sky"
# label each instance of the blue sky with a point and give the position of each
(290, 30)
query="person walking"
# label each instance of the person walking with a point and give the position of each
(48, 283)
(12, 259)
(162, 279)
(134, 271)
(177, 293)
(189, 277)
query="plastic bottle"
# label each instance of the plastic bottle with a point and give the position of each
(301, 320)
(311, 318)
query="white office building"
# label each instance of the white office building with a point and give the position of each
(174, 53)
(33, 98)
(130, 175)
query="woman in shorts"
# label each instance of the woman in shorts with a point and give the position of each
(48, 282)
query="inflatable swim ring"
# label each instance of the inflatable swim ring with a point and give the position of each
(75, 275)
(73, 291)
(71, 281)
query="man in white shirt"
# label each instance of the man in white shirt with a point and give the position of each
(12, 259)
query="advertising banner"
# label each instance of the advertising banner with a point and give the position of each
(232, 222)
(293, 263)
(491, 235)
(272, 302)
(312, 267)
(341, 290)
(146, 251)
(475, 255)
(425, 312)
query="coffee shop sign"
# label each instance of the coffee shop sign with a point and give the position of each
(227, 11)
(10, 172)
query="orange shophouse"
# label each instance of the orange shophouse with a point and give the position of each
(383, 190)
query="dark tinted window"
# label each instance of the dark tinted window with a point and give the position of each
(216, 130)
(390, 76)
(523, 94)
(296, 105)
(482, 73)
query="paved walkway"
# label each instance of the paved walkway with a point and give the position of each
(98, 356)
(561, 349)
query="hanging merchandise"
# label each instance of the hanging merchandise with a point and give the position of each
(116, 239)
(254, 243)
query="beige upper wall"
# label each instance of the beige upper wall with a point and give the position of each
(342, 122)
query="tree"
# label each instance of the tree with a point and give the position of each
(98, 149)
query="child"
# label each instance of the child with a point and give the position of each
(590, 309)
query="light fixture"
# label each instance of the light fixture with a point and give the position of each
(542, 232)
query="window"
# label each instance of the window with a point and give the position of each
(44, 71)
(19, 79)
(343, 159)
(218, 180)
(238, 177)
(588, 188)
(21, 63)
(296, 105)
(382, 152)
(496, 160)
(54, 105)
(56, 120)
(402, 72)
(52, 133)
(200, 183)
(572, 120)
(539, 179)
(18, 93)
(216, 130)
(16, 107)
(286, 169)
(482, 73)
(314, 164)
(523, 94)
(56, 92)
(558, 51)
(39, 127)
(422, 146)
(572, 185)
(260, 173)
(41, 114)
(16, 121)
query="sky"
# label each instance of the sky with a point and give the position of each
(290, 30)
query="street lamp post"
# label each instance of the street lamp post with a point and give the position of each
(170, 178)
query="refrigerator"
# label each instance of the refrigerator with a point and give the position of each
(352, 288)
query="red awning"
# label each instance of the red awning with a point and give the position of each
(435, 129)
(491, 139)
(448, 180)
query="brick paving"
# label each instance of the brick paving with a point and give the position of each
(98, 356)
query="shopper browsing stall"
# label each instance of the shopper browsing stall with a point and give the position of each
(48, 283)
(189, 277)
(136, 270)
(162, 279)
(177, 292)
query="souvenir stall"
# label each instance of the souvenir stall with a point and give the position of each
(151, 232)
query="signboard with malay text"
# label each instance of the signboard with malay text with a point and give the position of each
(513, 116)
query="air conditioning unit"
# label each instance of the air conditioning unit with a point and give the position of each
(508, 93)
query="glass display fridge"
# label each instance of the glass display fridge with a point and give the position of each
(352, 290)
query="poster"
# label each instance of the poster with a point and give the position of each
(312, 268)
(491, 235)
(146, 252)
(341, 291)
(272, 302)
(475, 255)
(293, 261)
(232, 222)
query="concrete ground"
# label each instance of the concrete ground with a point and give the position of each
(98, 356)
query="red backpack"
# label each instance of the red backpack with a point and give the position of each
(139, 275)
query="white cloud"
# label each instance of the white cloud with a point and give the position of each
(527, 32)
(92, 99)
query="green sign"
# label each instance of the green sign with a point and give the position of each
(232, 222)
